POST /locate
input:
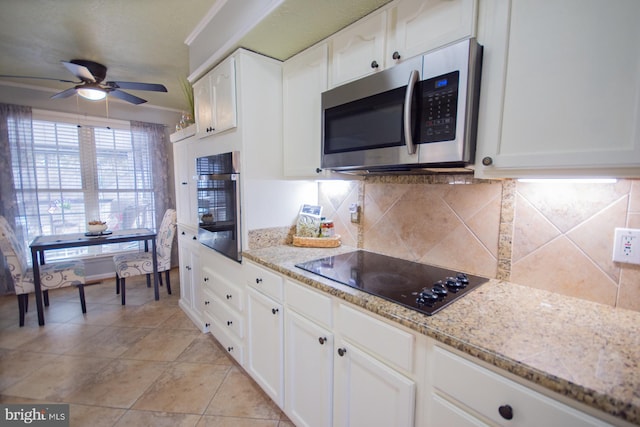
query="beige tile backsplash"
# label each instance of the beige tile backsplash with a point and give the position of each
(553, 236)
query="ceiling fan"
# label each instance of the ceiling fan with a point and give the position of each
(92, 85)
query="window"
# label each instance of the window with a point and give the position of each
(73, 174)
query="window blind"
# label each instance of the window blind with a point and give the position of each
(72, 174)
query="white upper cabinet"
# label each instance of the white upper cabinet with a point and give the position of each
(304, 79)
(419, 26)
(185, 185)
(215, 99)
(561, 88)
(358, 50)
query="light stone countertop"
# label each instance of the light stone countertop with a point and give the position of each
(586, 351)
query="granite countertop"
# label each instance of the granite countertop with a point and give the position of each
(586, 351)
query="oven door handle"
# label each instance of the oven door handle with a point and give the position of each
(219, 177)
(408, 101)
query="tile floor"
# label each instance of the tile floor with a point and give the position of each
(144, 364)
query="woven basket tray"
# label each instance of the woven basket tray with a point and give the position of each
(317, 242)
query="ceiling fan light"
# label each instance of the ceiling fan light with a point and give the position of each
(92, 93)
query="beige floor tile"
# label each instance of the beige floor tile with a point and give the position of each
(119, 384)
(239, 396)
(147, 353)
(15, 365)
(110, 342)
(180, 321)
(157, 419)
(163, 345)
(150, 315)
(61, 311)
(205, 349)
(57, 379)
(216, 421)
(100, 314)
(62, 338)
(94, 416)
(14, 336)
(184, 388)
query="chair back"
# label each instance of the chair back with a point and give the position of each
(13, 250)
(166, 232)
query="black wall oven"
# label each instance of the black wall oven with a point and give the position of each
(219, 203)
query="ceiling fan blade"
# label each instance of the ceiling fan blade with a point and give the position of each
(154, 87)
(127, 97)
(80, 71)
(65, 94)
(39, 78)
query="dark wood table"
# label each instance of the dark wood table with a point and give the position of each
(61, 241)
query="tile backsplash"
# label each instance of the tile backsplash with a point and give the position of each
(556, 236)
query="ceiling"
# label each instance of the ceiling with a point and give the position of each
(144, 40)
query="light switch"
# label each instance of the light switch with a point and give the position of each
(626, 245)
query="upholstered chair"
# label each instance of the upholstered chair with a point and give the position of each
(139, 263)
(52, 275)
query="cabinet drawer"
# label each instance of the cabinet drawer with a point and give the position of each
(462, 380)
(230, 344)
(311, 304)
(389, 343)
(224, 289)
(229, 319)
(264, 280)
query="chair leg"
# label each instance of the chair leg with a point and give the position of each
(160, 278)
(117, 284)
(83, 303)
(26, 303)
(45, 297)
(166, 275)
(22, 300)
(148, 280)
(122, 290)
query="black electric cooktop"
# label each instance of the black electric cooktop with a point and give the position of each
(420, 287)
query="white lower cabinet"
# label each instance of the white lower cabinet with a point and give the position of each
(308, 371)
(373, 364)
(368, 392)
(465, 393)
(265, 341)
(223, 311)
(190, 276)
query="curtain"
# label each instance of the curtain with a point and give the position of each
(154, 135)
(15, 125)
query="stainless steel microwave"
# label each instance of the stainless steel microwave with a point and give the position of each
(421, 113)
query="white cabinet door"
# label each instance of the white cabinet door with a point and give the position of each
(304, 79)
(308, 372)
(190, 277)
(368, 392)
(203, 108)
(265, 338)
(223, 95)
(561, 89)
(359, 50)
(215, 99)
(185, 186)
(423, 25)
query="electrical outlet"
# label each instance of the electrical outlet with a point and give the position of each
(354, 210)
(626, 245)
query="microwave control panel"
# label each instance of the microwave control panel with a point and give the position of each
(439, 108)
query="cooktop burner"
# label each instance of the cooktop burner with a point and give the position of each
(420, 287)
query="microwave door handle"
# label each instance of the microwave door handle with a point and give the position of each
(408, 100)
